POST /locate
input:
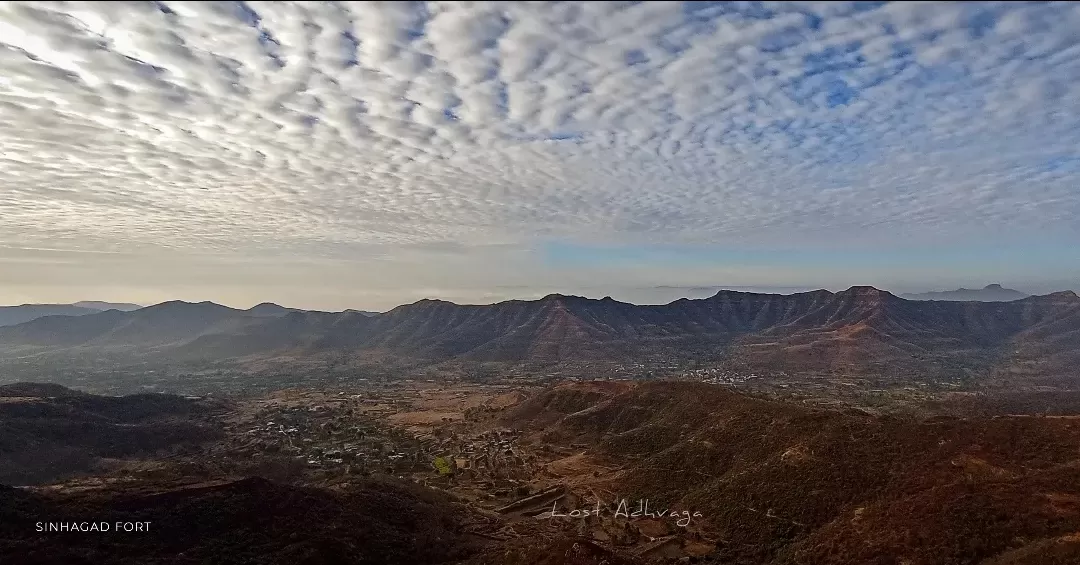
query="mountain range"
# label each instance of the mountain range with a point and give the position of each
(12, 315)
(861, 330)
(989, 293)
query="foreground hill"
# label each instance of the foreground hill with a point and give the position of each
(861, 330)
(246, 521)
(259, 522)
(785, 484)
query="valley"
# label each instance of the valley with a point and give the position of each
(517, 470)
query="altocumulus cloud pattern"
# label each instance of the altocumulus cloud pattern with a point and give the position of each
(327, 126)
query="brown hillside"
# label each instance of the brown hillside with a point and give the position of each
(782, 483)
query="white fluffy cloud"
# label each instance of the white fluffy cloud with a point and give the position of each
(352, 130)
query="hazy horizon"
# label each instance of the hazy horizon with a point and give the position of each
(642, 296)
(331, 156)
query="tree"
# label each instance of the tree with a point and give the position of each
(444, 466)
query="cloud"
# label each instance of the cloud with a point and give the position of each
(326, 129)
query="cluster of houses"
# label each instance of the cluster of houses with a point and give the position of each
(333, 432)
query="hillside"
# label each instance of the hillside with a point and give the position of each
(861, 330)
(48, 432)
(299, 478)
(785, 484)
(251, 521)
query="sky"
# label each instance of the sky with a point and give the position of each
(362, 155)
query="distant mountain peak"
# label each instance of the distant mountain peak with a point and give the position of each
(990, 293)
(184, 306)
(865, 292)
(423, 304)
(13, 315)
(723, 292)
(566, 300)
(268, 309)
(100, 305)
(1064, 295)
(171, 303)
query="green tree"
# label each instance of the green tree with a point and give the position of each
(444, 466)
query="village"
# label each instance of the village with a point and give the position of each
(327, 433)
(451, 438)
(411, 430)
